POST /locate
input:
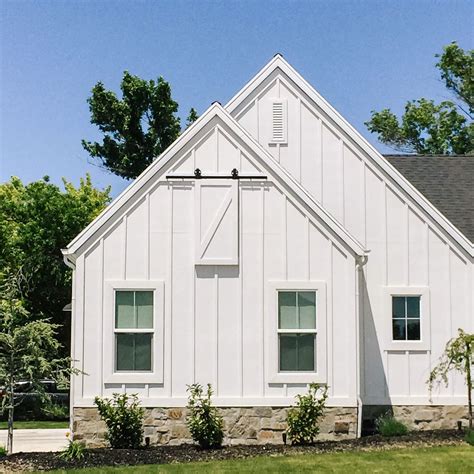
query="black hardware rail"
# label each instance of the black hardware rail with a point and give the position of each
(198, 175)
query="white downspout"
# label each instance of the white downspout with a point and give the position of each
(361, 260)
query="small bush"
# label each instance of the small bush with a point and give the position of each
(469, 437)
(204, 421)
(73, 452)
(55, 412)
(303, 418)
(123, 416)
(387, 425)
(3, 451)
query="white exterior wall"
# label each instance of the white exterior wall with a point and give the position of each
(407, 248)
(215, 326)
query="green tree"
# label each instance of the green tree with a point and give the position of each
(192, 117)
(430, 128)
(458, 355)
(29, 349)
(36, 221)
(137, 128)
(457, 72)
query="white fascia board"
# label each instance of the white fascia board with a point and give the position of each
(278, 62)
(265, 158)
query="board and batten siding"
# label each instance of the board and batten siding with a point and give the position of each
(214, 315)
(407, 248)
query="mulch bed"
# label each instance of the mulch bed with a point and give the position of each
(188, 453)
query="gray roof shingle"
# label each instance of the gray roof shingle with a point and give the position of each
(446, 181)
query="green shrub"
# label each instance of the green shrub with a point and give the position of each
(204, 421)
(303, 418)
(387, 425)
(123, 416)
(3, 451)
(469, 437)
(73, 452)
(55, 412)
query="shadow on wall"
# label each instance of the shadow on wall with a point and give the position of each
(374, 380)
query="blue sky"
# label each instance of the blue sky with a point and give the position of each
(360, 55)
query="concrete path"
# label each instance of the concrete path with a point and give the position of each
(36, 440)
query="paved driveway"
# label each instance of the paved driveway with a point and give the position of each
(36, 440)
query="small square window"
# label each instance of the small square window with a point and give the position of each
(406, 322)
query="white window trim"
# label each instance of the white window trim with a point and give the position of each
(271, 333)
(424, 344)
(156, 374)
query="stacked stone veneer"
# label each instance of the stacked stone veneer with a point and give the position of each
(249, 425)
(421, 417)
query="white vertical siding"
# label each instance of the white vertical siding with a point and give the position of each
(92, 324)
(406, 247)
(182, 292)
(214, 315)
(252, 304)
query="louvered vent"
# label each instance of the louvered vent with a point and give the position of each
(279, 122)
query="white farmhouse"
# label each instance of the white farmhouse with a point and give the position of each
(270, 247)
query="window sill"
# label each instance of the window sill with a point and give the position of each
(294, 377)
(134, 377)
(407, 346)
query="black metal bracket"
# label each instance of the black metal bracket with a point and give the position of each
(234, 174)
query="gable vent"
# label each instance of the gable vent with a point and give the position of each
(279, 121)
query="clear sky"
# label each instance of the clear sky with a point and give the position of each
(360, 55)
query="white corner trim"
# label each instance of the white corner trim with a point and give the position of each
(108, 344)
(425, 318)
(273, 375)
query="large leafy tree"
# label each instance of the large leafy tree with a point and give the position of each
(36, 221)
(137, 128)
(430, 128)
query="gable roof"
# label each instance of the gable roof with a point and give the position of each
(279, 64)
(160, 165)
(446, 181)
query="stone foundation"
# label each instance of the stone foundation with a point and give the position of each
(419, 417)
(247, 425)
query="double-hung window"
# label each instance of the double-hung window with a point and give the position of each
(297, 331)
(133, 330)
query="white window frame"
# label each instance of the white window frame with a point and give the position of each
(272, 338)
(424, 344)
(111, 375)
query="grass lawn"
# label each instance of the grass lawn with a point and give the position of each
(32, 425)
(424, 460)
